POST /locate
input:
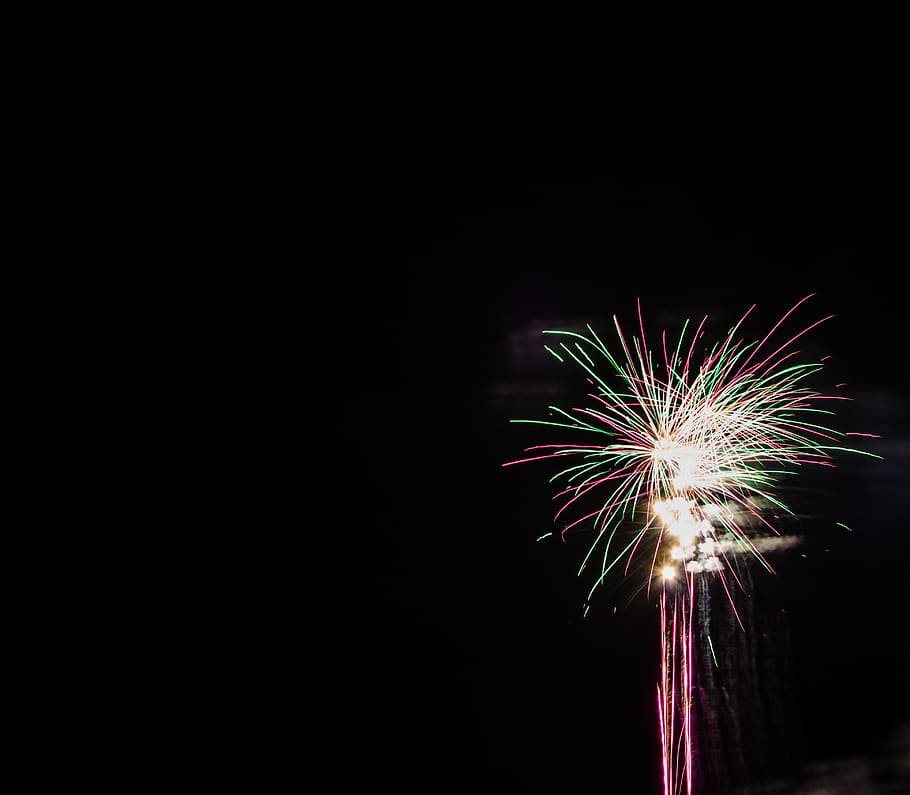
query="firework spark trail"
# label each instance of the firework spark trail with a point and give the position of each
(691, 453)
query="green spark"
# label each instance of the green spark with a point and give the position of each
(712, 652)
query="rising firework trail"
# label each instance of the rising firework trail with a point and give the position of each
(677, 460)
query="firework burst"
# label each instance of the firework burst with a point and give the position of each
(684, 447)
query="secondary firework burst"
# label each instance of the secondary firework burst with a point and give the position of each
(683, 446)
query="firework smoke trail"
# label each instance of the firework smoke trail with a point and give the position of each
(686, 454)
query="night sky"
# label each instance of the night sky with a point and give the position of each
(340, 309)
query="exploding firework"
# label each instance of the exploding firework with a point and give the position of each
(678, 459)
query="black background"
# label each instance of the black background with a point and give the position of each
(341, 284)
